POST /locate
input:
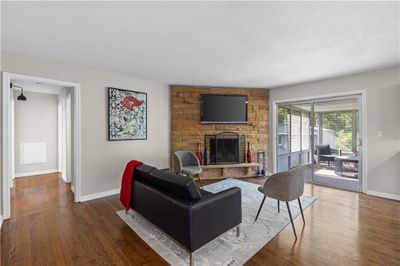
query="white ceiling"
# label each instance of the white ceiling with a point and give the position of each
(250, 44)
(34, 86)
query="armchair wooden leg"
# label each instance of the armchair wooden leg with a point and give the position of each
(198, 176)
(279, 207)
(262, 203)
(291, 219)
(301, 210)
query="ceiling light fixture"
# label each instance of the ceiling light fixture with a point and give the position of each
(21, 97)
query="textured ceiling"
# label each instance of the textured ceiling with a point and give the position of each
(250, 44)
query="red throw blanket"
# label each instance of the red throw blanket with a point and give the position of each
(126, 186)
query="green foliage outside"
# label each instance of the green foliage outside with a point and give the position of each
(283, 115)
(344, 140)
(342, 124)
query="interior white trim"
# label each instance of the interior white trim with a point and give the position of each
(7, 166)
(383, 195)
(322, 96)
(43, 172)
(363, 111)
(1, 221)
(76, 156)
(59, 137)
(12, 106)
(100, 195)
(7, 171)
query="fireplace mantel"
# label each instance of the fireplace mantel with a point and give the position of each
(245, 170)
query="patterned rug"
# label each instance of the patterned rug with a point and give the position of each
(226, 249)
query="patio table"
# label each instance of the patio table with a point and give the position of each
(339, 160)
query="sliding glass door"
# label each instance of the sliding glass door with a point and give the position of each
(324, 132)
(293, 135)
(336, 150)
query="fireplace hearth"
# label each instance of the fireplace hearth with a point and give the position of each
(226, 148)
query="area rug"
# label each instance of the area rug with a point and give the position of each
(226, 249)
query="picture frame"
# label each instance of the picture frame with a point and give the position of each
(127, 114)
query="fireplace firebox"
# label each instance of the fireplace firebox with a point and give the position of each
(226, 148)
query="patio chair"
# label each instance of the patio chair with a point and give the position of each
(324, 153)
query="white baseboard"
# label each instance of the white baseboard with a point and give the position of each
(73, 189)
(37, 173)
(1, 221)
(383, 195)
(99, 195)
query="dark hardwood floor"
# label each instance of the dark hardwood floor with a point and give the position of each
(48, 228)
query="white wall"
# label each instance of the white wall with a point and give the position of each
(35, 120)
(383, 113)
(103, 161)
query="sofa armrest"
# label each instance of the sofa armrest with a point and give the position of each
(212, 216)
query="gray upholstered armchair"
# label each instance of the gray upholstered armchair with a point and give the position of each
(186, 162)
(286, 186)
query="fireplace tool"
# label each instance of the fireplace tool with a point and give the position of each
(262, 163)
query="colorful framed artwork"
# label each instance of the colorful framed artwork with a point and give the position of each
(127, 115)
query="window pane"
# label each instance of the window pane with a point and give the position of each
(305, 141)
(338, 130)
(295, 131)
(283, 130)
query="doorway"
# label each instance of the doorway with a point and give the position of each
(67, 126)
(326, 132)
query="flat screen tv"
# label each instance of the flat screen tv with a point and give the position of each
(223, 109)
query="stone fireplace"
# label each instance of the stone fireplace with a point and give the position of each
(226, 148)
(187, 133)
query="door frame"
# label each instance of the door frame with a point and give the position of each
(363, 131)
(64, 110)
(7, 136)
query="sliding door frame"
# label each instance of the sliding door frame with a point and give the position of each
(362, 94)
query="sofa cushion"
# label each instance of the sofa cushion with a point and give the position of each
(142, 174)
(177, 185)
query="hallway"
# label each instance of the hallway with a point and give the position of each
(34, 194)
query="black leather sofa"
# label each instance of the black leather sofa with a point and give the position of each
(173, 203)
